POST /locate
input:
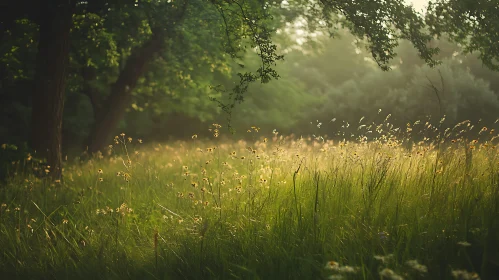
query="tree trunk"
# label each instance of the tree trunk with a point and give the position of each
(113, 109)
(50, 82)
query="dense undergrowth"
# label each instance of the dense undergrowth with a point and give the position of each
(276, 208)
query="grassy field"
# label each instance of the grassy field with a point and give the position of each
(276, 208)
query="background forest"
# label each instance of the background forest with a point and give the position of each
(321, 78)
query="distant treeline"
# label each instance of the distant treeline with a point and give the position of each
(326, 87)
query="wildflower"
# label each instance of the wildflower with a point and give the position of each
(384, 259)
(100, 179)
(194, 136)
(414, 264)
(194, 184)
(3, 205)
(465, 275)
(122, 134)
(332, 265)
(463, 243)
(140, 141)
(383, 236)
(129, 139)
(206, 203)
(99, 171)
(347, 269)
(390, 274)
(64, 221)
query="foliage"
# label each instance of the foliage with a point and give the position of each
(17, 55)
(474, 24)
(353, 88)
(381, 23)
(448, 90)
(216, 46)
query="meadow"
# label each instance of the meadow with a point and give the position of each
(376, 205)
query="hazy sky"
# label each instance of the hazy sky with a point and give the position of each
(418, 4)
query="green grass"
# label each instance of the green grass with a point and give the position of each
(285, 211)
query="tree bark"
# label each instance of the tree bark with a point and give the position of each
(113, 109)
(50, 82)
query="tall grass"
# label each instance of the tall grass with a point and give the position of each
(278, 208)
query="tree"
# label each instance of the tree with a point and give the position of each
(382, 24)
(143, 32)
(54, 19)
(50, 82)
(473, 24)
(163, 20)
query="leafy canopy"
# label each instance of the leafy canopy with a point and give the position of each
(473, 24)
